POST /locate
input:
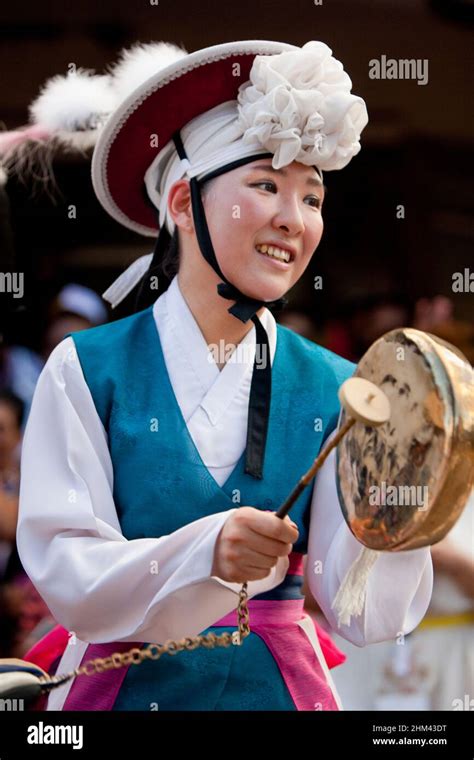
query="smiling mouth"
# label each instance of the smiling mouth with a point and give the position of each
(273, 252)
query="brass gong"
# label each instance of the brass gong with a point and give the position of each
(403, 484)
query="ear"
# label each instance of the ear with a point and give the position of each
(180, 206)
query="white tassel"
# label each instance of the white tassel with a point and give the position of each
(125, 283)
(350, 599)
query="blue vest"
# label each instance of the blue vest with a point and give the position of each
(162, 484)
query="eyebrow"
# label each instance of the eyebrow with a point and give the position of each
(315, 182)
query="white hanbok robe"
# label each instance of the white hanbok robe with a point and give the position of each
(75, 552)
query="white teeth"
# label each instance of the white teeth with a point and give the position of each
(272, 250)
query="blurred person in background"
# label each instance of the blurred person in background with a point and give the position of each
(300, 323)
(75, 307)
(21, 607)
(11, 415)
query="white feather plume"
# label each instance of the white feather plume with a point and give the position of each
(82, 100)
(140, 62)
(73, 102)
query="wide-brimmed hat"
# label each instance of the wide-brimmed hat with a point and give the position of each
(311, 100)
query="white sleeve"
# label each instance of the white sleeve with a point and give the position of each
(399, 585)
(96, 582)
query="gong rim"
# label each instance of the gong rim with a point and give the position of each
(459, 478)
(454, 381)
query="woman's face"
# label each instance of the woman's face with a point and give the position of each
(257, 205)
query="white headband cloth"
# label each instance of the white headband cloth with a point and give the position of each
(296, 105)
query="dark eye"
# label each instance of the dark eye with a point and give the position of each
(265, 182)
(271, 187)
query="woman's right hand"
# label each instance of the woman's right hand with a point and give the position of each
(250, 544)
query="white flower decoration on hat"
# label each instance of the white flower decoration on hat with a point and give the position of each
(298, 105)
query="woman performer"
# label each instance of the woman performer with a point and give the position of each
(159, 446)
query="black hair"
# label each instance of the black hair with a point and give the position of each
(169, 264)
(15, 403)
(164, 265)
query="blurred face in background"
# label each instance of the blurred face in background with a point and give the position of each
(10, 433)
(59, 327)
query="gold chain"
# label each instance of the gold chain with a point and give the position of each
(136, 656)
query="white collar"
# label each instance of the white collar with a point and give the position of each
(184, 344)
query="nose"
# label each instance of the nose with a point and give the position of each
(289, 217)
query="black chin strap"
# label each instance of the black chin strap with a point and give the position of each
(142, 298)
(244, 308)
